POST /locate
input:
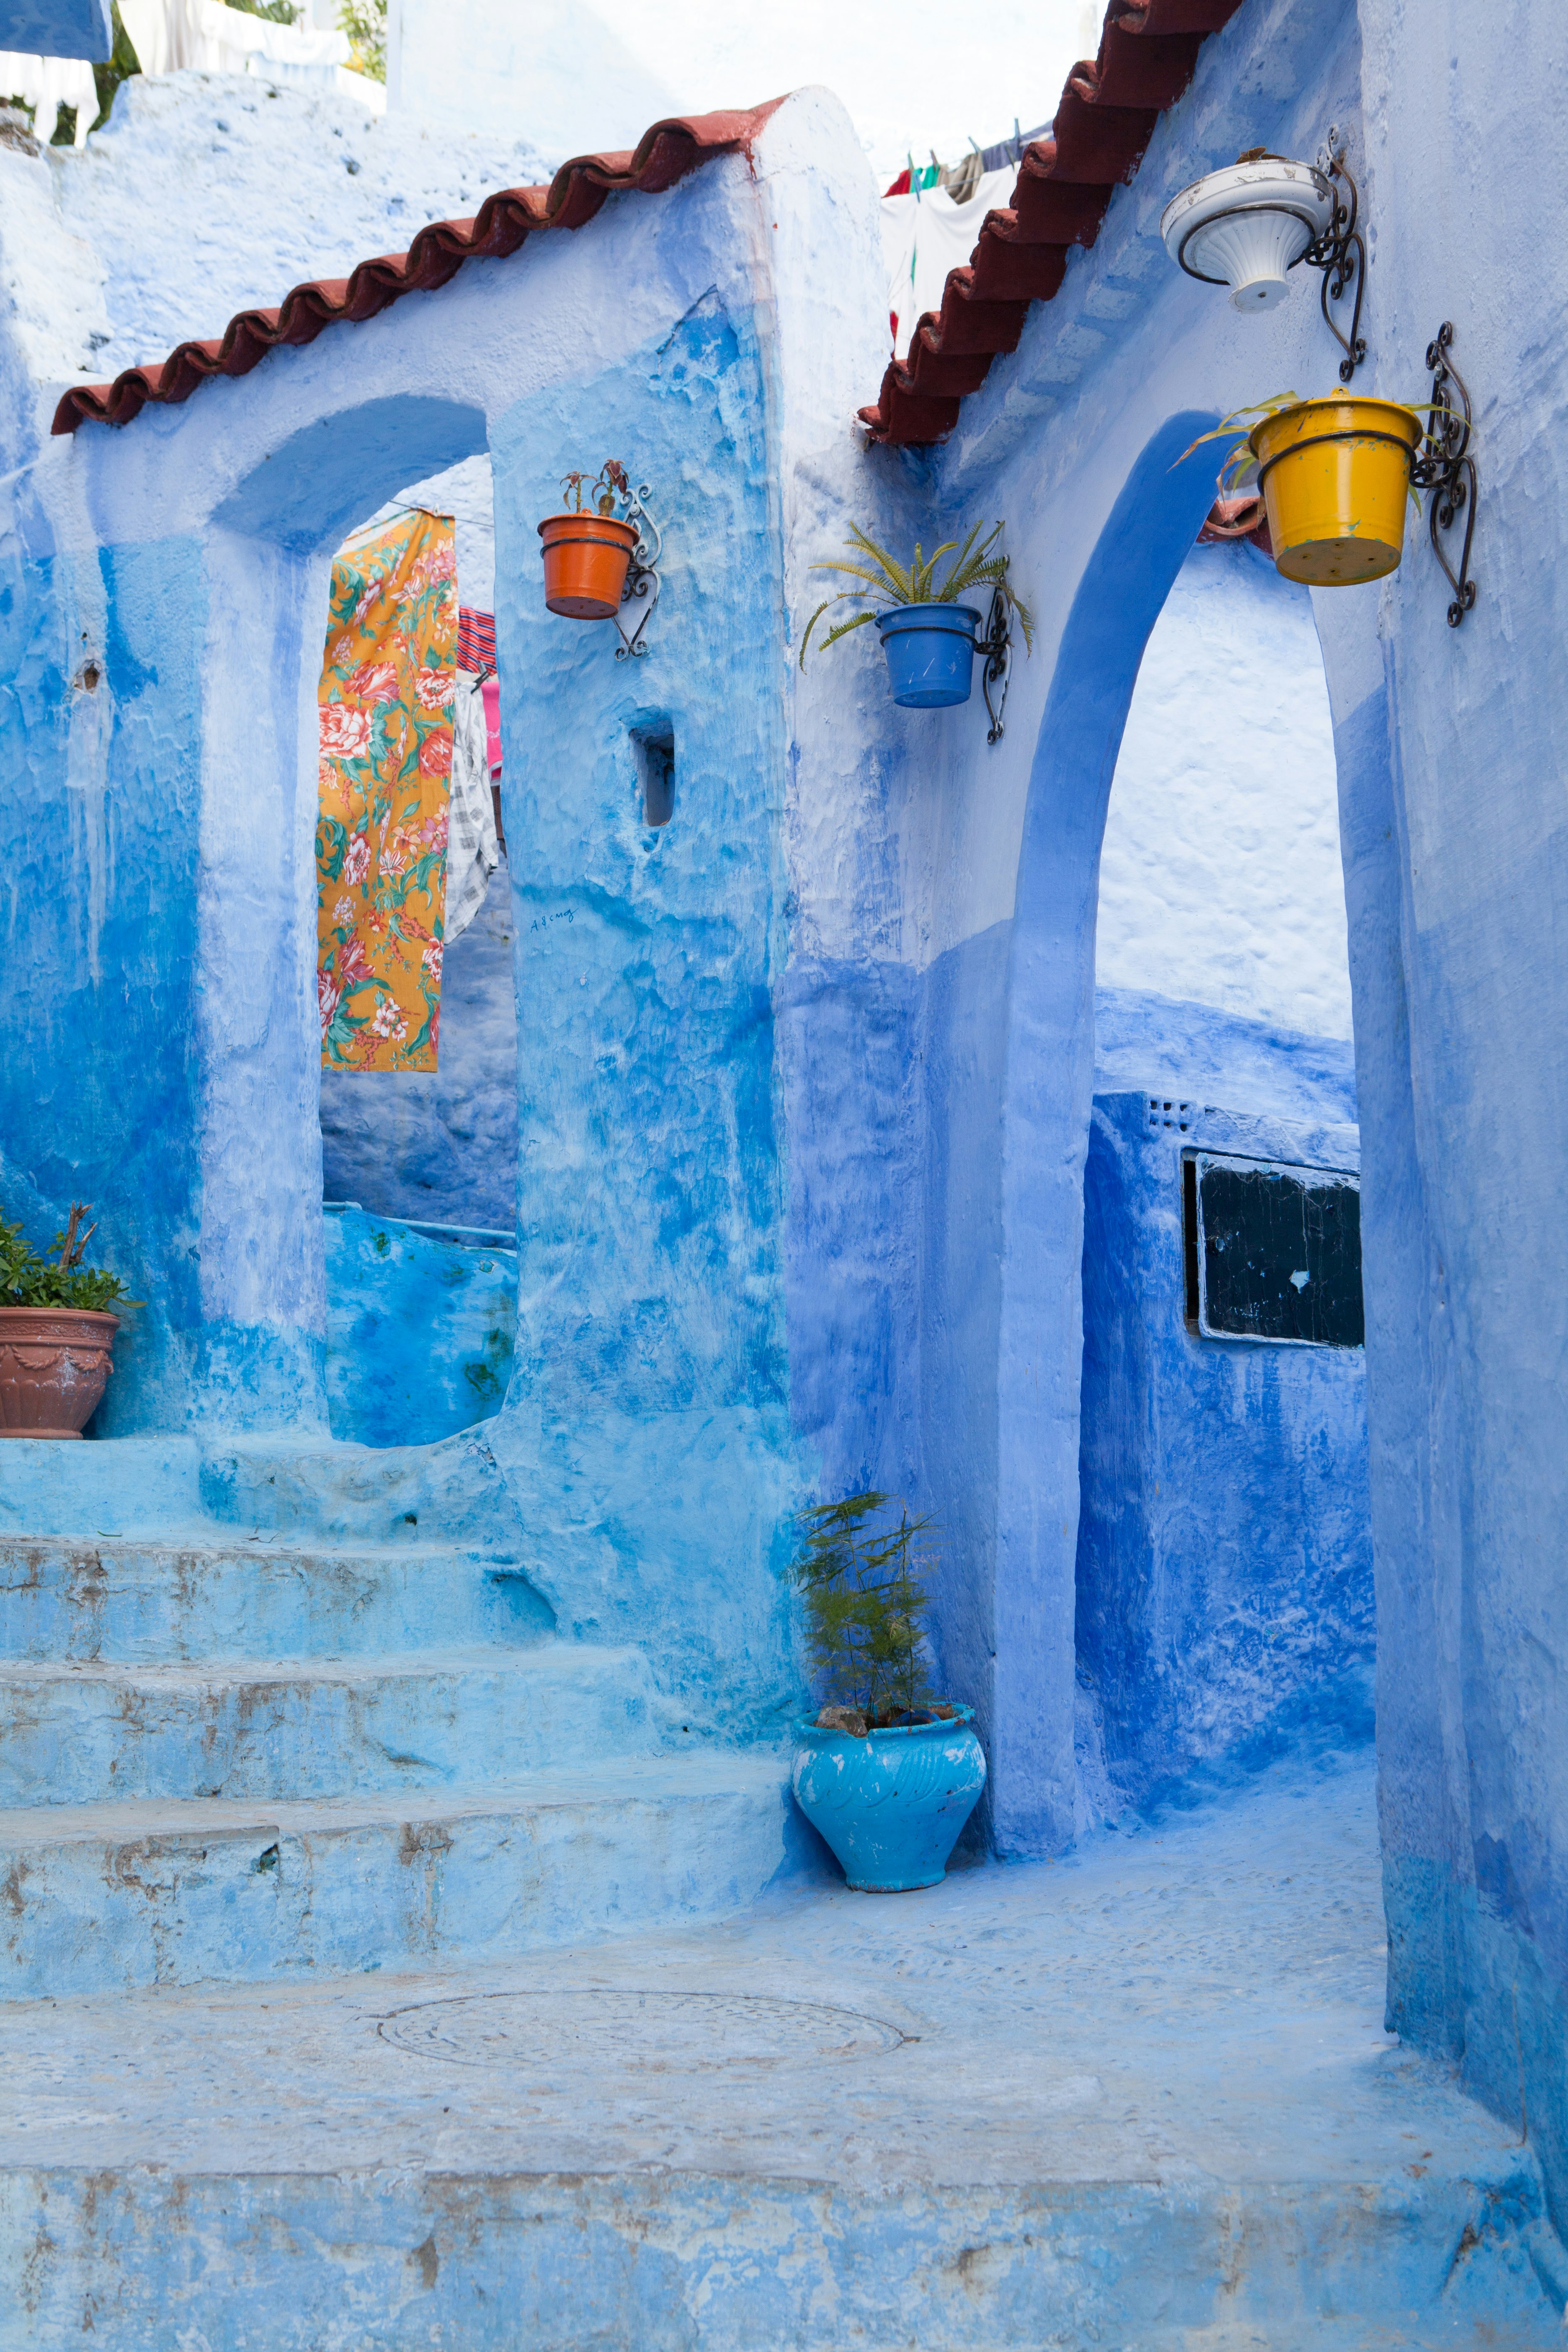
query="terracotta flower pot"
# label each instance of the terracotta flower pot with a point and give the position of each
(55, 1363)
(587, 559)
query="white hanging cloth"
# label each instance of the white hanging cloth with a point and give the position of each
(473, 852)
(175, 35)
(924, 237)
(47, 84)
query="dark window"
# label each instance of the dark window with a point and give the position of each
(1272, 1252)
(654, 747)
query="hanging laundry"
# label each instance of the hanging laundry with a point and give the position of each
(476, 640)
(473, 852)
(386, 758)
(46, 84)
(924, 237)
(476, 651)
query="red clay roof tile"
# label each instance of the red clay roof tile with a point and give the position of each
(1148, 50)
(664, 155)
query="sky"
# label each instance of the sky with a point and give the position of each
(914, 74)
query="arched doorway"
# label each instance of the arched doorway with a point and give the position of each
(1224, 1566)
(419, 1131)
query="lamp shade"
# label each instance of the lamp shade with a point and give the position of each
(1247, 226)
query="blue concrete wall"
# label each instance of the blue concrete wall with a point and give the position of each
(1225, 1585)
(420, 1328)
(1140, 1035)
(101, 828)
(647, 1430)
(1450, 743)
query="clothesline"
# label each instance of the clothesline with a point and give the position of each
(931, 219)
(960, 178)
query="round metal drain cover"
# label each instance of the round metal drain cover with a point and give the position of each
(650, 2032)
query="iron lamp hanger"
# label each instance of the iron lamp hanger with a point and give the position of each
(1248, 225)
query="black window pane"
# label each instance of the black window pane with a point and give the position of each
(1281, 1255)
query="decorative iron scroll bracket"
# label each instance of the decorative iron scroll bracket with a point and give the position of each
(1340, 252)
(996, 647)
(1444, 466)
(642, 579)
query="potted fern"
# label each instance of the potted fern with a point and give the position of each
(57, 1331)
(927, 632)
(886, 1773)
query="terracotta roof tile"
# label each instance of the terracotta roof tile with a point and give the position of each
(664, 155)
(1148, 50)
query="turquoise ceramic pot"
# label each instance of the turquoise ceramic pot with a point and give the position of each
(890, 1805)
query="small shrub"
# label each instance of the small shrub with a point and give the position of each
(858, 1575)
(29, 1280)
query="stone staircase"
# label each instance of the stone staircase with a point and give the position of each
(274, 1712)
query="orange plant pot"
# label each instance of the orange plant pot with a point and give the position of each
(55, 1363)
(587, 559)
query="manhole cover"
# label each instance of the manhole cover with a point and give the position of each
(646, 2031)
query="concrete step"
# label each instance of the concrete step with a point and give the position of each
(116, 1895)
(101, 1733)
(211, 1593)
(489, 2260)
(308, 1488)
(1138, 2100)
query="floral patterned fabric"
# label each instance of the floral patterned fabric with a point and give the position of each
(386, 756)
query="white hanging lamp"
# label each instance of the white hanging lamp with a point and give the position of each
(1248, 225)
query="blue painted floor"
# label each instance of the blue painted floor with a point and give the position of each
(1141, 2101)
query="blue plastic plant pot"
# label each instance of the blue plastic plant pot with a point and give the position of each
(890, 1805)
(931, 653)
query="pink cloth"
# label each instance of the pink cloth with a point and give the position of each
(492, 693)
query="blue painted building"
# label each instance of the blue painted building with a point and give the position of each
(832, 1154)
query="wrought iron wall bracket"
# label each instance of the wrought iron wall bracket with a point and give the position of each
(1443, 467)
(995, 648)
(1340, 253)
(643, 578)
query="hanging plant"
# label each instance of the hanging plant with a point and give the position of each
(588, 549)
(1334, 475)
(928, 634)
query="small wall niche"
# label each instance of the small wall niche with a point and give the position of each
(652, 747)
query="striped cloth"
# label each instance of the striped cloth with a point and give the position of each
(476, 639)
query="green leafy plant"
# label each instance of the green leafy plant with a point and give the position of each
(885, 583)
(364, 22)
(597, 493)
(858, 1575)
(29, 1280)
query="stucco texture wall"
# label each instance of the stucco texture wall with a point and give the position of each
(1224, 1605)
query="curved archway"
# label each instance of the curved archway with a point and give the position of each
(267, 554)
(1047, 1084)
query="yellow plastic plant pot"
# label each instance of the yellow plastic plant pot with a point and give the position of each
(1335, 477)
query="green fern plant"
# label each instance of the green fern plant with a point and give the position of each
(858, 1576)
(885, 583)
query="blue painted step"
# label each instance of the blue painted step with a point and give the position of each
(90, 1735)
(212, 1595)
(107, 1897)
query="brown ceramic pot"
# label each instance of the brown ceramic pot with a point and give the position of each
(55, 1363)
